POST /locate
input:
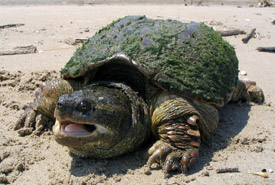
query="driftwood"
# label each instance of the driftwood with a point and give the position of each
(78, 41)
(19, 50)
(231, 32)
(10, 25)
(71, 41)
(248, 36)
(227, 170)
(266, 49)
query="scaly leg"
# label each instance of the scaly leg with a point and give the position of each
(248, 91)
(180, 125)
(37, 113)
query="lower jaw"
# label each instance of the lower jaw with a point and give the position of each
(98, 153)
(73, 142)
(82, 148)
(92, 153)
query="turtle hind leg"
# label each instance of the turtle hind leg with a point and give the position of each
(248, 91)
(180, 125)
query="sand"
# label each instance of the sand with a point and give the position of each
(245, 136)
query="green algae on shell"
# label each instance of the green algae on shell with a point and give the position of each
(189, 59)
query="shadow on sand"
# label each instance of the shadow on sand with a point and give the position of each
(233, 118)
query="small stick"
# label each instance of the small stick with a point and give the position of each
(80, 40)
(231, 32)
(75, 41)
(227, 170)
(266, 49)
(248, 36)
(10, 25)
(19, 50)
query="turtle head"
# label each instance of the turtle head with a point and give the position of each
(96, 121)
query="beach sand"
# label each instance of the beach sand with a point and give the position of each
(245, 136)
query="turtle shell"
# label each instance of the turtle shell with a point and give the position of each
(189, 59)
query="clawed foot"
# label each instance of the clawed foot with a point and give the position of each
(255, 92)
(36, 117)
(247, 90)
(30, 122)
(170, 158)
(38, 114)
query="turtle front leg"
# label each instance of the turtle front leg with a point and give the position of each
(36, 116)
(180, 125)
(178, 148)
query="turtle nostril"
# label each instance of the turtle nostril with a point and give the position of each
(59, 104)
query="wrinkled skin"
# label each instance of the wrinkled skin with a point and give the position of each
(96, 119)
(102, 120)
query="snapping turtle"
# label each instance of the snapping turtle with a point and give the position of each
(139, 77)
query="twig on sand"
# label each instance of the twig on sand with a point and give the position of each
(71, 41)
(266, 49)
(10, 25)
(78, 41)
(231, 32)
(248, 36)
(227, 170)
(20, 50)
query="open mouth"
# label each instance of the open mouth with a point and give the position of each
(74, 129)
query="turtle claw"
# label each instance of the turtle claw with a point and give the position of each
(171, 163)
(158, 153)
(154, 158)
(26, 119)
(31, 121)
(171, 158)
(188, 159)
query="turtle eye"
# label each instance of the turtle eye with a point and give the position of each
(83, 106)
